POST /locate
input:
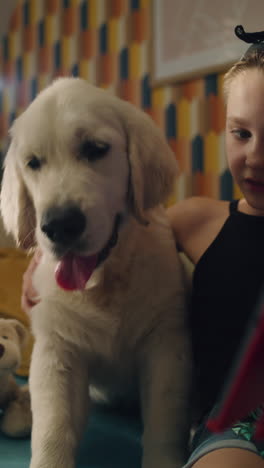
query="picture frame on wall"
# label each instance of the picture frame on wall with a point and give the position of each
(194, 38)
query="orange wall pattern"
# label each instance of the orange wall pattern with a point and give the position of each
(108, 43)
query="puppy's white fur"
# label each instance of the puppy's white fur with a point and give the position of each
(125, 334)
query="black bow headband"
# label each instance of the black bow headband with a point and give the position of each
(256, 39)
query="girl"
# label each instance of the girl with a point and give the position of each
(225, 241)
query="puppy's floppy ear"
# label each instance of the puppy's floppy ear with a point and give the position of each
(153, 166)
(16, 206)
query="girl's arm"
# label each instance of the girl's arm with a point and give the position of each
(30, 296)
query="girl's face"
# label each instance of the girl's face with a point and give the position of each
(245, 137)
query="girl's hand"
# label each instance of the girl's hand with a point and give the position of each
(29, 294)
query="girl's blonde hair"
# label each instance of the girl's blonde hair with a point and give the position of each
(252, 59)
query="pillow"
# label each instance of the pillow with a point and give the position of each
(13, 263)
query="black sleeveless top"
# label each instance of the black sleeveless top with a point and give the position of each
(226, 285)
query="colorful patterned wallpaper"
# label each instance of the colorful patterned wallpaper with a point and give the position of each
(108, 42)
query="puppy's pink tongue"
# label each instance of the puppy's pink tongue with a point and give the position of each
(73, 271)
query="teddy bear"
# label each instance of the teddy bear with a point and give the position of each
(15, 418)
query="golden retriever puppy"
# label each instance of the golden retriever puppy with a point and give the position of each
(84, 178)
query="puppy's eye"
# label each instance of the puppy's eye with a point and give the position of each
(5, 337)
(93, 150)
(34, 163)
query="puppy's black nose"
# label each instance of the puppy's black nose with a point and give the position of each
(63, 225)
(2, 350)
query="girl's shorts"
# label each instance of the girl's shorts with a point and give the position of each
(241, 435)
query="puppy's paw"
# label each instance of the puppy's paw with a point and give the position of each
(51, 464)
